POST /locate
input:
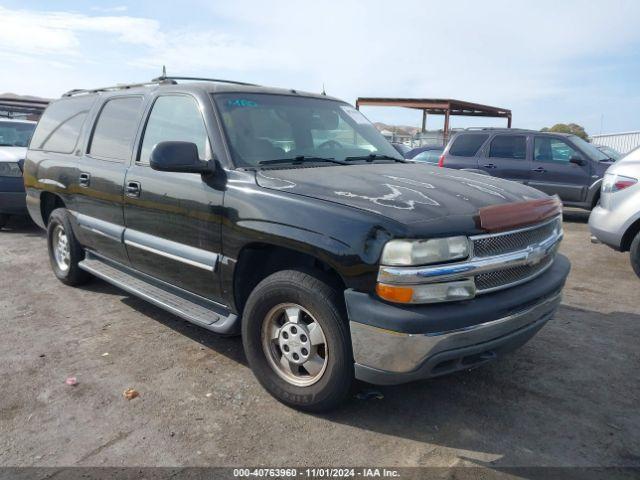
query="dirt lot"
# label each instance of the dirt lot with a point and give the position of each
(569, 397)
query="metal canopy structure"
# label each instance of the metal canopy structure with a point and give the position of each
(438, 106)
(18, 106)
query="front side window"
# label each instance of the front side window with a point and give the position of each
(174, 118)
(549, 149)
(263, 127)
(116, 128)
(589, 148)
(509, 146)
(467, 145)
(15, 134)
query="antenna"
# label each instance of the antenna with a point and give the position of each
(164, 72)
(323, 91)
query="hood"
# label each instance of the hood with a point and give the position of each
(405, 192)
(12, 154)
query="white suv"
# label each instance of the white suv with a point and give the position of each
(616, 221)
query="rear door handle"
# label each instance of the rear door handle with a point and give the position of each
(133, 189)
(539, 170)
(84, 180)
(490, 165)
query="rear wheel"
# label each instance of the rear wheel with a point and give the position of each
(4, 218)
(64, 250)
(297, 341)
(634, 253)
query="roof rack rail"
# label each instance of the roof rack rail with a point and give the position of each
(161, 80)
(201, 79)
(123, 86)
(500, 128)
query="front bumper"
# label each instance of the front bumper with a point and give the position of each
(396, 344)
(13, 203)
(607, 227)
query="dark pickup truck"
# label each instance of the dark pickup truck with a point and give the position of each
(286, 217)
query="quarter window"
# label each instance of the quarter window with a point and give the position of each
(59, 128)
(509, 146)
(466, 145)
(549, 149)
(116, 128)
(174, 118)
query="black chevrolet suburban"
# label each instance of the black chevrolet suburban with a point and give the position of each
(286, 217)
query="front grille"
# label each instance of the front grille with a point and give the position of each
(509, 276)
(488, 246)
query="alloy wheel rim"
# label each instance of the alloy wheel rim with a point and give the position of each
(60, 244)
(294, 344)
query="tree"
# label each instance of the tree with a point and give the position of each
(572, 128)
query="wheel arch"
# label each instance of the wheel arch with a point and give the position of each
(629, 235)
(258, 260)
(48, 203)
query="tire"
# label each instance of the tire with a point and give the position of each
(634, 253)
(319, 303)
(64, 262)
(4, 218)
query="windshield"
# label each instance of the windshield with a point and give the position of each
(588, 148)
(263, 127)
(15, 134)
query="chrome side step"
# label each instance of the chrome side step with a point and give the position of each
(192, 308)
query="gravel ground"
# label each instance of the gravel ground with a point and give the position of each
(570, 397)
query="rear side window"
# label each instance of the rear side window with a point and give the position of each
(116, 128)
(509, 146)
(59, 128)
(466, 145)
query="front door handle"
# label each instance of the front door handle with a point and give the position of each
(84, 180)
(133, 189)
(490, 165)
(539, 170)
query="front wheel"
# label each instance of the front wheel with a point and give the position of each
(4, 218)
(297, 341)
(634, 252)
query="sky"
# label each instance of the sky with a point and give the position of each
(548, 61)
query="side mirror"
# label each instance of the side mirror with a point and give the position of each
(578, 160)
(180, 157)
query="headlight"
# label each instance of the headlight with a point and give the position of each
(10, 170)
(424, 252)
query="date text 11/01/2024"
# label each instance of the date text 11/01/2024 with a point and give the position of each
(316, 472)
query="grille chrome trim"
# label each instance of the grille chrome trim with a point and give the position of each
(486, 268)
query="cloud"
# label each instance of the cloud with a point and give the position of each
(29, 33)
(518, 55)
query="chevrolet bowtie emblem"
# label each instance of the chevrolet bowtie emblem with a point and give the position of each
(536, 255)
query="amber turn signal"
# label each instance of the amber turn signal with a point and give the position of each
(394, 293)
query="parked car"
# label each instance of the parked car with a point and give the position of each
(14, 138)
(612, 153)
(429, 154)
(555, 163)
(401, 148)
(333, 260)
(616, 220)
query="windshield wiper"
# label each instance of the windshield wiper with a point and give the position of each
(374, 156)
(301, 159)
